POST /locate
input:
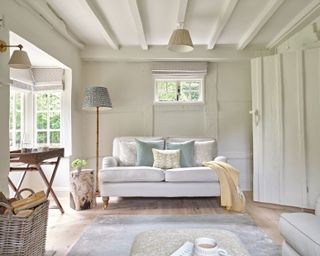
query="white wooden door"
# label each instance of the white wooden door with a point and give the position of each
(278, 105)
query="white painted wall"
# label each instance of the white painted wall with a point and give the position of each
(4, 115)
(224, 114)
(39, 33)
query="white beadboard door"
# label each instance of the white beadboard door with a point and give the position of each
(279, 130)
(311, 59)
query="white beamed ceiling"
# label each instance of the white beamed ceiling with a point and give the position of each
(159, 19)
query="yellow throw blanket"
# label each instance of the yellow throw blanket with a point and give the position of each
(231, 196)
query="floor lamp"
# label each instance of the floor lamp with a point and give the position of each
(97, 98)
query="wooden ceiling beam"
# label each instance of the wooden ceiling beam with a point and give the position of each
(101, 23)
(182, 10)
(161, 53)
(222, 21)
(304, 17)
(42, 10)
(133, 5)
(262, 18)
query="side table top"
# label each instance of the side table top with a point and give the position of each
(82, 171)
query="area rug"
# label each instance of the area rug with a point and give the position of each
(111, 235)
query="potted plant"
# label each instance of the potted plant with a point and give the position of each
(78, 164)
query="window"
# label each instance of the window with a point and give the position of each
(16, 118)
(48, 118)
(179, 90)
(35, 118)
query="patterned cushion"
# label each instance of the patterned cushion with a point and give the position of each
(144, 151)
(128, 153)
(166, 159)
(204, 151)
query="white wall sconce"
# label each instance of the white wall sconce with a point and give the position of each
(19, 58)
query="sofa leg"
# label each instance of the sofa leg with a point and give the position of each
(105, 200)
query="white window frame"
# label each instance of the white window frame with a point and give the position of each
(14, 129)
(179, 78)
(48, 111)
(28, 127)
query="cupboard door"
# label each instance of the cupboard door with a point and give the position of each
(312, 123)
(278, 96)
(293, 187)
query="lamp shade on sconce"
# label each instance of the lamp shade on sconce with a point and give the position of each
(19, 60)
(96, 96)
(180, 41)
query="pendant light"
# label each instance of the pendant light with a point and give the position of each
(180, 40)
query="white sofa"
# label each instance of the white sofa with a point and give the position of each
(120, 177)
(301, 232)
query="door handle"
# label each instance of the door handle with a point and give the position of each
(256, 116)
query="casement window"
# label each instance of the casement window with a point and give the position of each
(47, 118)
(35, 118)
(16, 118)
(36, 107)
(179, 82)
(183, 90)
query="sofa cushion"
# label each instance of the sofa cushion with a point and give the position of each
(186, 152)
(131, 174)
(166, 159)
(205, 149)
(128, 153)
(191, 174)
(144, 151)
(302, 232)
(118, 140)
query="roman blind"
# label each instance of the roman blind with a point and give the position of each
(37, 79)
(181, 68)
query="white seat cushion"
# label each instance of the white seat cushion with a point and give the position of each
(131, 174)
(191, 174)
(302, 232)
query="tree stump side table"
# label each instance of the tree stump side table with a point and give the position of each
(83, 189)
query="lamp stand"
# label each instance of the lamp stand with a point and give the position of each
(97, 155)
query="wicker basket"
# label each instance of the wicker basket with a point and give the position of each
(24, 236)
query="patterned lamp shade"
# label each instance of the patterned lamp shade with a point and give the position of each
(96, 96)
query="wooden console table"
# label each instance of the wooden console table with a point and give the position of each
(34, 161)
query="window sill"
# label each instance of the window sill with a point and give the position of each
(198, 103)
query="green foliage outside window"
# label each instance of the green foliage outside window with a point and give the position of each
(15, 118)
(178, 91)
(48, 114)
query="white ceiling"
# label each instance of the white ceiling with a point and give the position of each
(112, 23)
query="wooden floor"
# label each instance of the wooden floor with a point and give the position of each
(65, 229)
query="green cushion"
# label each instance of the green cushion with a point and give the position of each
(144, 151)
(186, 152)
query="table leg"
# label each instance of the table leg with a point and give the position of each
(53, 175)
(20, 182)
(50, 190)
(12, 185)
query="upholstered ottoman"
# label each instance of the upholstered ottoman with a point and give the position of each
(165, 242)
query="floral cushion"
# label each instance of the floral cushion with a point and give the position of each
(166, 159)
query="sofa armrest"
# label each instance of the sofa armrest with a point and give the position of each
(221, 159)
(109, 161)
